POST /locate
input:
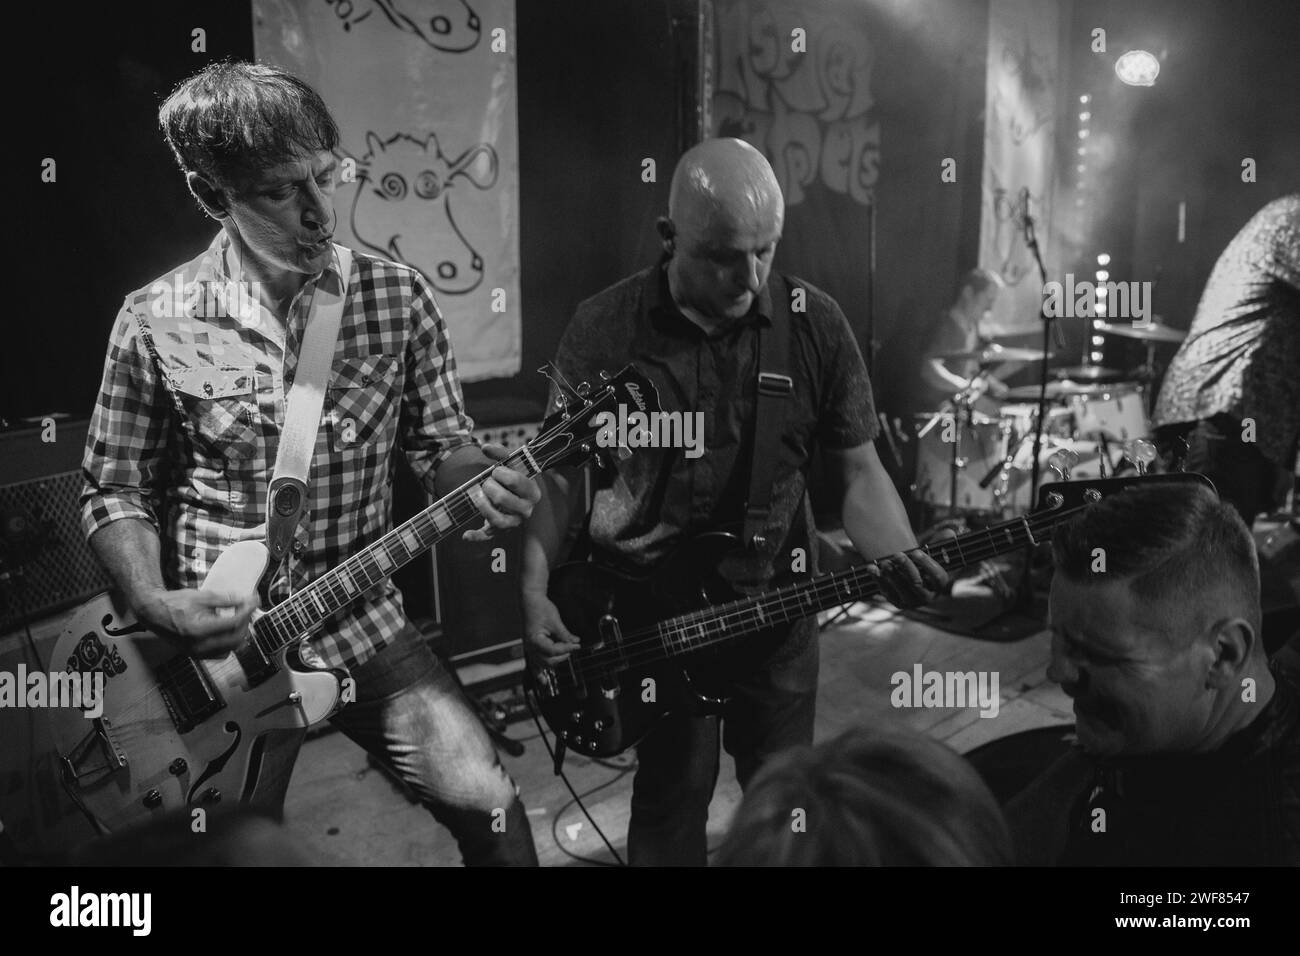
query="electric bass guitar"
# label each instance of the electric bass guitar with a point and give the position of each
(637, 665)
(181, 731)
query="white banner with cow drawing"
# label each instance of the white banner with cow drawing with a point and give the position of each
(424, 95)
(1021, 92)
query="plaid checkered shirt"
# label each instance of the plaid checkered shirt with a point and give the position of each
(191, 407)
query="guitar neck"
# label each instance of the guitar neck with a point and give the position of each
(293, 618)
(716, 624)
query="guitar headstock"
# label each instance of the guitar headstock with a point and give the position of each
(1060, 495)
(581, 431)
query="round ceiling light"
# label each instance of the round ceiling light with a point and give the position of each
(1137, 68)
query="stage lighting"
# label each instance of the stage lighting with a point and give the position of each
(1137, 68)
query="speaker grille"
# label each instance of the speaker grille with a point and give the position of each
(59, 570)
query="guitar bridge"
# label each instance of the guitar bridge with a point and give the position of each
(95, 757)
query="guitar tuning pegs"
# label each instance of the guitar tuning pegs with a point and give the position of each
(1141, 452)
(604, 376)
(1062, 462)
(584, 389)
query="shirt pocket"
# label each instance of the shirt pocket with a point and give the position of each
(361, 402)
(222, 405)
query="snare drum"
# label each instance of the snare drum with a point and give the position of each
(1118, 414)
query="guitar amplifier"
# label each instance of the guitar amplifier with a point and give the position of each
(465, 596)
(45, 563)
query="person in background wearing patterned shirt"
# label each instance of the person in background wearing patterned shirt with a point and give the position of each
(691, 324)
(184, 436)
(1233, 388)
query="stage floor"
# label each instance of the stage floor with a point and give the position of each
(350, 813)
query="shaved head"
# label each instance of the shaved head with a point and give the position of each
(724, 178)
(725, 214)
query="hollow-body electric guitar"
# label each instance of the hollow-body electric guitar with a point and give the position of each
(637, 665)
(180, 731)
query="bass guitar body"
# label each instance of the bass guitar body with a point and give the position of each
(606, 710)
(177, 731)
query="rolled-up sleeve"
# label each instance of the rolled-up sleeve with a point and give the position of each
(434, 422)
(126, 446)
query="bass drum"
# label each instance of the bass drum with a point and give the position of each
(981, 448)
(1118, 414)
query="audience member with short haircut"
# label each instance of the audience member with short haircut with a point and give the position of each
(1188, 743)
(868, 798)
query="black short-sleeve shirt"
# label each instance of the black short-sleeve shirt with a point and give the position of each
(655, 500)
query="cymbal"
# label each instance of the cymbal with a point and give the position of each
(1063, 389)
(1088, 373)
(1154, 332)
(993, 354)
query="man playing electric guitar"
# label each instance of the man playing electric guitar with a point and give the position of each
(193, 402)
(695, 325)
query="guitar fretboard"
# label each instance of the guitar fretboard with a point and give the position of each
(293, 618)
(725, 622)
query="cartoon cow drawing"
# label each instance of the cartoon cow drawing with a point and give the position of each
(402, 207)
(447, 25)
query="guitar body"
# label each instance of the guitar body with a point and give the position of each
(177, 731)
(606, 608)
(661, 643)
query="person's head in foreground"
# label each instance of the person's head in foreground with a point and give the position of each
(1155, 622)
(870, 797)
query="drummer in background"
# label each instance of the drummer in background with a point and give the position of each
(1241, 363)
(958, 330)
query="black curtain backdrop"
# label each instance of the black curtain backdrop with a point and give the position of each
(928, 84)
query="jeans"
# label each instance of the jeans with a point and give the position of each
(410, 713)
(771, 708)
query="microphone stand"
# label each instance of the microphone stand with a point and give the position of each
(1031, 240)
(1024, 592)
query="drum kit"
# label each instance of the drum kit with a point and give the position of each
(972, 464)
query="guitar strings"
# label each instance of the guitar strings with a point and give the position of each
(280, 622)
(655, 642)
(283, 620)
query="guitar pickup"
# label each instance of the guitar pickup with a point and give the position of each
(189, 693)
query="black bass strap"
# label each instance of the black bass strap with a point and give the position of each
(775, 391)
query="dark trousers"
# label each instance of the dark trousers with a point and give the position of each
(1245, 478)
(411, 714)
(770, 709)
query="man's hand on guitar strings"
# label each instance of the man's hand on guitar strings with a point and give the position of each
(505, 499)
(204, 623)
(546, 639)
(909, 578)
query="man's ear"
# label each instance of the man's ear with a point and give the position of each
(209, 196)
(1233, 642)
(666, 232)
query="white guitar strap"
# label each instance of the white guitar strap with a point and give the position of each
(303, 403)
